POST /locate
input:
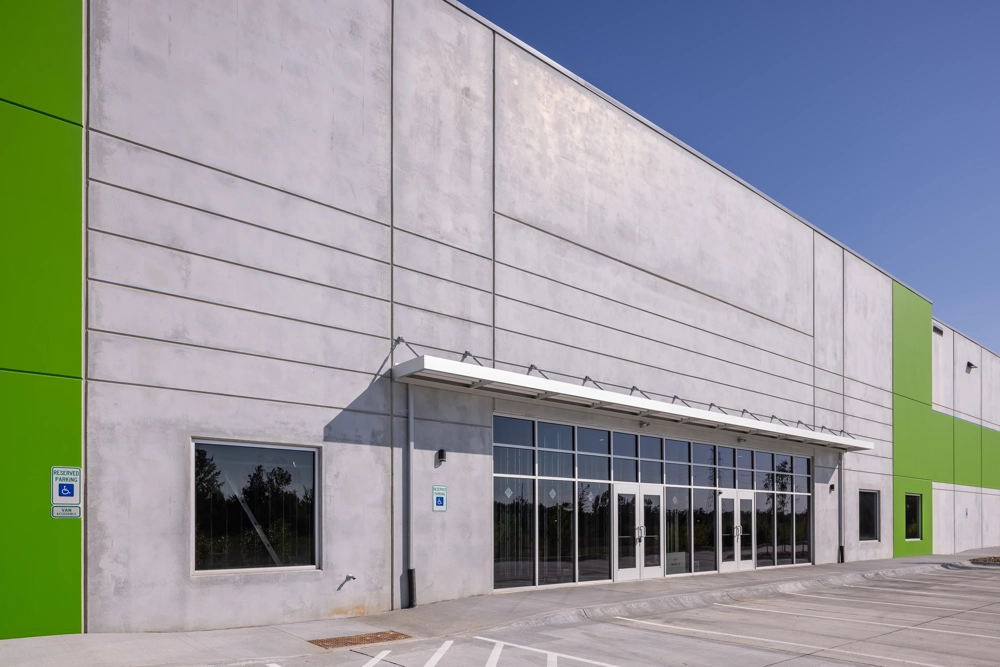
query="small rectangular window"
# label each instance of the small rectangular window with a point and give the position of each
(651, 448)
(254, 506)
(510, 431)
(868, 522)
(592, 441)
(625, 444)
(513, 461)
(913, 523)
(555, 436)
(676, 451)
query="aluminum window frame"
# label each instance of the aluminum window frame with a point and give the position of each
(317, 508)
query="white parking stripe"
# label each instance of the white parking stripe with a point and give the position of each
(552, 653)
(775, 641)
(377, 659)
(905, 592)
(495, 655)
(440, 654)
(551, 660)
(942, 583)
(859, 620)
(896, 604)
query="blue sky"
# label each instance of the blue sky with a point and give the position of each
(879, 122)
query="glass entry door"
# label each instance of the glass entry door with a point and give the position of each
(638, 531)
(736, 531)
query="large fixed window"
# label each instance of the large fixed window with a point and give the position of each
(254, 506)
(914, 530)
(868, 516)
(554, 506)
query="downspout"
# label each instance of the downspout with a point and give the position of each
(840, 508)
(411, 573)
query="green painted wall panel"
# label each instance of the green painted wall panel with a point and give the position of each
(923, 441)
(41, 48)
(901, 546)
(41, 243)
(991, 458)
(968, 453)
(911, 345)
(41, 560)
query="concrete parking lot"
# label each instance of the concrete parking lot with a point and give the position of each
(925, 611)
(947, 618)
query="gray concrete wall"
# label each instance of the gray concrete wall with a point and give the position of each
(239, 283)
(278, 191)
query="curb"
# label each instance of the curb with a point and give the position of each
(679, 601)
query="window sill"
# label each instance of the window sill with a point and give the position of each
(256, 570)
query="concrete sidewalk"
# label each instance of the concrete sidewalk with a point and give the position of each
(535, 608)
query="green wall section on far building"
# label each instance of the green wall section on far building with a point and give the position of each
(923, 441)
(901, 486)
(991, 458)
(41, 243)
(41, 562)
(968, 453)
(41, 47)
(911, 345)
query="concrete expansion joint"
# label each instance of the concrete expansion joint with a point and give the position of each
(681, 601)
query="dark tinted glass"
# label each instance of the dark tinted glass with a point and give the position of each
(513, 532)
(763, 461)
(704, 476)
(913, 527)
(744, 458)
(555, 532)
(555, 436)
(783, 482)
(512, 461)
(727, 478)
(652, 510)
(593, 467)
(625, 470)
(782, 463)
(676, 450)
(650, 448)
(803, 553)
(592, 440)
(244, 492)
(626, 531)
(677, 473)
(704, 529)
(595, 531)
(509, 431)
(704, 453)
(783, 528)
(727, 457)
(555, 464)
(625, 444)
(800, 465)
(765, 481)
(744, 479)
(868, 515)
(676, 539)
(765, 529)
(650, 472)
(801, 483)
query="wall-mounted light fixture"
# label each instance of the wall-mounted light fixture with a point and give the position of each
(738, 440)
(832, 487)
(643, 424)
(969, 366)
(440, 458)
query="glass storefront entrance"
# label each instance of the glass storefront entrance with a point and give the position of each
(576, 504)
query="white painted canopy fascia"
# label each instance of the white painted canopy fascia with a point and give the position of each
(450, 374)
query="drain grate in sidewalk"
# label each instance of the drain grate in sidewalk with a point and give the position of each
(357, 640)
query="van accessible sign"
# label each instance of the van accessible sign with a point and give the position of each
(67, 485)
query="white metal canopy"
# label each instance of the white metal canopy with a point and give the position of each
(450, 374)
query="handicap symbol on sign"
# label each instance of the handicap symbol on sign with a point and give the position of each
(439, 501)
(66, 490)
